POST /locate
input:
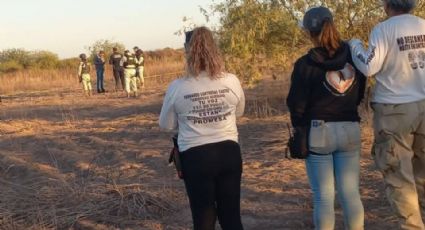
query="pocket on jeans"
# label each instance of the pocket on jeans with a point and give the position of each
(353, 135)
(385, 155)
(319, 137)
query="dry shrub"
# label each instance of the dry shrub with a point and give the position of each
(37, 80)
(159, 67)
(54, 203)
(159, 73)
(267, 98)
(260, 107)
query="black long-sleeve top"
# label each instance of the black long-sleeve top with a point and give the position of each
(325, 88)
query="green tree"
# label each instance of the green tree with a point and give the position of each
(18, 59)
(263, 35)
(256, 36)
(44, 60)
(10, 66)
(69, 63)
(19, 56)
(105, 45)
(354, 18)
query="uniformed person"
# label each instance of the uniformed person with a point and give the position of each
(84, 74)
(115, 60)
(129, 64)
(135, 49)
(140, 64)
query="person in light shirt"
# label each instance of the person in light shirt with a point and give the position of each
(203, 107)
(396, 56)
(84, 69)
(140, 64)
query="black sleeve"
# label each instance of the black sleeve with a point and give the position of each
(362, 86)
(97, 61)
(299, 95)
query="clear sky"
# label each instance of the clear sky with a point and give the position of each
(67, 27)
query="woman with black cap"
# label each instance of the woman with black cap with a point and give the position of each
(325, 91)
(203, 106)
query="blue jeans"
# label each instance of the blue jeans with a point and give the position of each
(99, 83)
(336, 164)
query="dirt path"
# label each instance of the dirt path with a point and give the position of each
(114, 142)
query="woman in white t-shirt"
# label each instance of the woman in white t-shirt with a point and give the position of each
(203, 106)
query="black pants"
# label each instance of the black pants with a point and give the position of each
(212, 175)
(119, 76)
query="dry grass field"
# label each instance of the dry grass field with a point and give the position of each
(70, 162)
(39, 80)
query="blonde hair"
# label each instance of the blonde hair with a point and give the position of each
(203, 54)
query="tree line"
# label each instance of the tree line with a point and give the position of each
(260, 36)
(13, 60)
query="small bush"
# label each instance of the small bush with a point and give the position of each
(10, 66)
(44, 60)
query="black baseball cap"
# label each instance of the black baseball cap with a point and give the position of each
(315, 17)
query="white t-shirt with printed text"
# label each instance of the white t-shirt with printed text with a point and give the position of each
(396, 54)
(204, 110)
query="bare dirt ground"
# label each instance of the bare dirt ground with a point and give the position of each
(69, 162)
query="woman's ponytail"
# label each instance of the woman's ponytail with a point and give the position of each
(329, 37)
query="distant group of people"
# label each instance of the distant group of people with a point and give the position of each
(327, 85)
(127, 68)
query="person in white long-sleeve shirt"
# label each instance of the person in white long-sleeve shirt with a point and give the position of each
(396, 56)
(140, 65)
(203, 107)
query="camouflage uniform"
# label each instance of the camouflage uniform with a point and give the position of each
(84, 75)
(129, 64)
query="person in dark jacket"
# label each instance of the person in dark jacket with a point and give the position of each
(117, 69)
(99, 62)
(325, 92)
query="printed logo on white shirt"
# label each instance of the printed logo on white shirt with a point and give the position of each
(208, 106)
(415, 45)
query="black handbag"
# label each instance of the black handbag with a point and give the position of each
(175, 158)
(298, 142)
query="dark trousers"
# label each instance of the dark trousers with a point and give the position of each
(119, 77)
(100, 75)
(212, 175)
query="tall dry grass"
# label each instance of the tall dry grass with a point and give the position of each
(58, 202)
(40, 80)
(37, 80)
(267, 97)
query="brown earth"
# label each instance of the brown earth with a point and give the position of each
(70, 162)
